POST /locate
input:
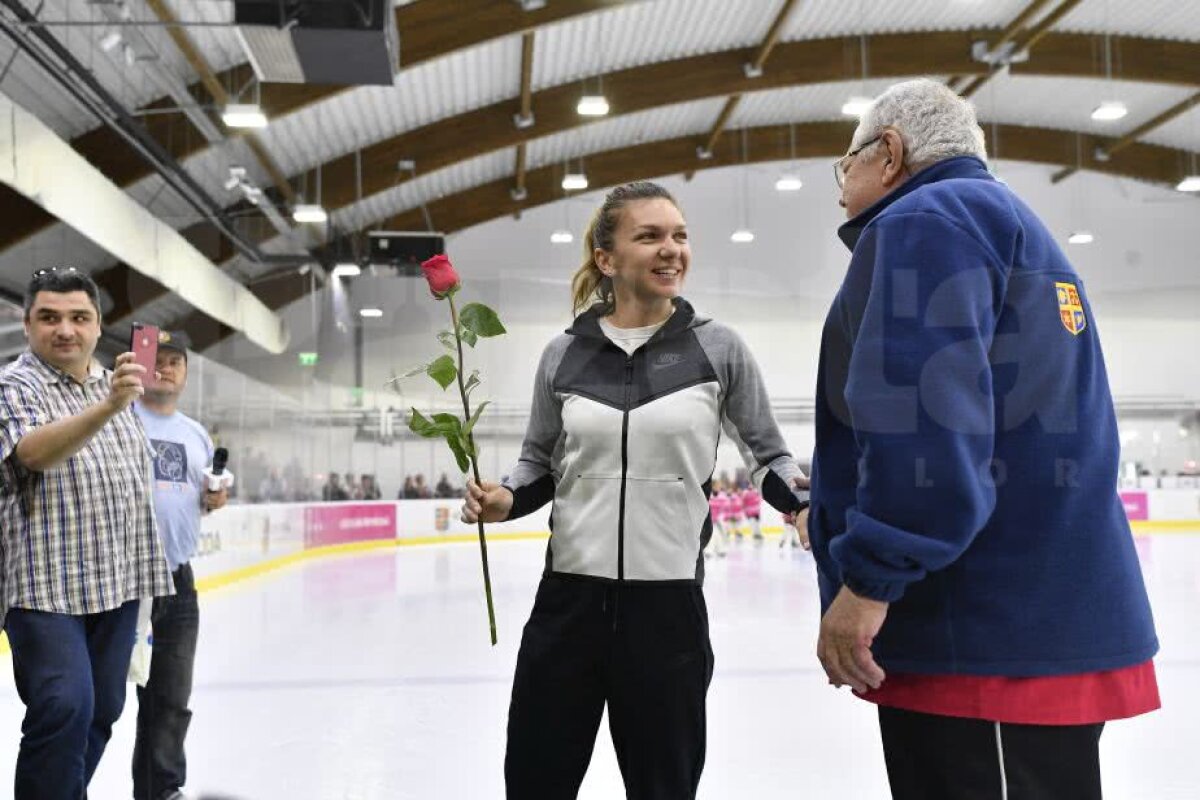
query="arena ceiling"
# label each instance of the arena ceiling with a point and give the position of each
(481, 118)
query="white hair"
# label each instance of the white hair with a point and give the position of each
(933, 122)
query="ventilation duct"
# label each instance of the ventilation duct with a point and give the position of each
(314, 41)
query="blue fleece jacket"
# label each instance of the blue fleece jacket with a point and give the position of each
(966, 443)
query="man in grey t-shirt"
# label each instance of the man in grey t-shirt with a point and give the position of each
(182, 450)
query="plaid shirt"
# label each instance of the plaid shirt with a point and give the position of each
(78, 538)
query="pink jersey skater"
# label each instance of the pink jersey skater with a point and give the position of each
(752, 502)
(718, 506)
(735, 505)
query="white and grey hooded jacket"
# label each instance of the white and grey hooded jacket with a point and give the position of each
(626, 446)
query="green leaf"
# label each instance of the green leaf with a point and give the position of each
(421, 426)
(443, 371)
(472, 382)
(481, 319)
(439, 425)
(449, 427)
(470, 426)
(416, 370)
(460, 454)
(447, 422)
(468, 335)
(447, 340)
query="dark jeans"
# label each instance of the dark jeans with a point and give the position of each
(159, 764)
(946, 758)
(70, 673)
(641, 649)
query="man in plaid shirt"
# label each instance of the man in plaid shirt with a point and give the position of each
(77, 534)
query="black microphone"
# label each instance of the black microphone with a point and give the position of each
(220, 459)
(216, 476)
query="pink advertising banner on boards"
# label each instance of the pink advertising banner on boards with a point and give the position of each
(348, 522)
(1137, 505)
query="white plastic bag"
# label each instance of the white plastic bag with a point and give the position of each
(139, 660)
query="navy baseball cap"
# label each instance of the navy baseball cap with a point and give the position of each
(174, 340)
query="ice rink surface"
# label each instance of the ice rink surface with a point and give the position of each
(370, 676)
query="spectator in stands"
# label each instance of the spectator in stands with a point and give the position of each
(333, 491)
(409, 492)
(352, 487)
(443, 488)
(423, 491)
(370, 489)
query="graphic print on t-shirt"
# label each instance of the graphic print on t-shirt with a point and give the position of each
(170, 461)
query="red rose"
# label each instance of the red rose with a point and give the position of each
(440, 274)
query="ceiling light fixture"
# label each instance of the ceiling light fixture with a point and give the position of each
(1189, 184)
(788, 183)
(575, 181)
(1109, 111)
(592, 105)
(308, 212)
(244, 115)
(1081, 237)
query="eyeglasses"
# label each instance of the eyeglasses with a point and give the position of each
(42, 272)
(842, 164)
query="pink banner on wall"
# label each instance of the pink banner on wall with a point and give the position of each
(348, 522)
(1137, 505)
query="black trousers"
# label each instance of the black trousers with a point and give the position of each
(946, 758)
(159, 764)
(641, 649)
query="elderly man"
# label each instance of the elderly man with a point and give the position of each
(978, 576)
(78, 532)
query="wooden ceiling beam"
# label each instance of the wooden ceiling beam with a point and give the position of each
(1106, 151)
(795, 63)
(751, 69)
(432, 28)
(524, 116)
(1024, 40)
(485, 130)
(1007, 35)
(766, 144)
(716, 74)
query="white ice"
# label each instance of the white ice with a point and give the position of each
(371, 676)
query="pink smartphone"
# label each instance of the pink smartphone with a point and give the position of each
(144, 346)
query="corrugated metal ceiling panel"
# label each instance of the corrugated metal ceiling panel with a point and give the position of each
(422, 95)
(375, 209)
(819, 19)
(1068, 103)
(1182, 132)
(644, 32)
(1157, 19)
(644, 126)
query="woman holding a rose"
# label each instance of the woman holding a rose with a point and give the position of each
(628, 407)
